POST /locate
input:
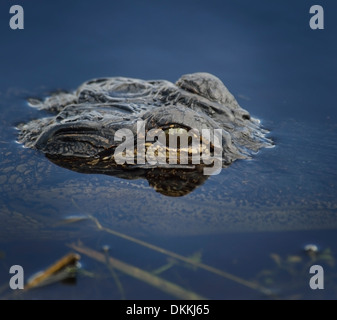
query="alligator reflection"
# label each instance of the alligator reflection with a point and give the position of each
(84, 131)
(169, 181)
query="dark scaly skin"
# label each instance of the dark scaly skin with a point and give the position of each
(80, 136)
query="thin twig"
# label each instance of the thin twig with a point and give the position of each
(139, 274)
(201, 265)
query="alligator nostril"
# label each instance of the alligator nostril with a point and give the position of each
(246, 117)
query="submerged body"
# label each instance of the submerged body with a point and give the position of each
(82, 134)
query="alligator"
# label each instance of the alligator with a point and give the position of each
(84, 131)
(274, 192)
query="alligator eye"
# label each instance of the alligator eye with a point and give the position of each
(175, 131)
(177, 134)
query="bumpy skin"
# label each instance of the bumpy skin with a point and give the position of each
(86, 120)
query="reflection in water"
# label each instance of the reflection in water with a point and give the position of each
(175, 182)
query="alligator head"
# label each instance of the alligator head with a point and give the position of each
(123, 127)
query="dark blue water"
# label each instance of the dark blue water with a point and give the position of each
(279, 69)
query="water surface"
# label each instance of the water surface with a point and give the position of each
(251, 221)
